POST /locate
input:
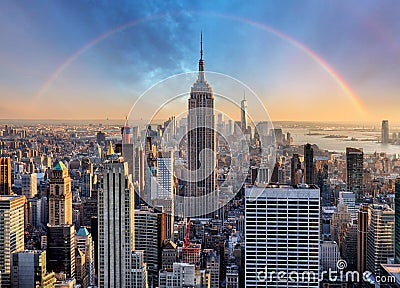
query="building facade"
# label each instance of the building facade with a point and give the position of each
(60, 196)
(282, 234)
(29, 270)
(5, 176)
(354, 163)
(11, 233)
(116, 225)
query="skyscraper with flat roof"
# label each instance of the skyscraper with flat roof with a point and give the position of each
(354, 163)
(5, 176)
(11, 233)
(397, 222)
(165, 175)
(29, 270)
(380, 239)
(282, 234)
(61, 249)
(309, 164)
(362, 233)
(118, 265)
(385, 132)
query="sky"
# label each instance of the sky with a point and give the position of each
(302, 60)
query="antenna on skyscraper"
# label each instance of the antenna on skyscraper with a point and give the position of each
(201, 45)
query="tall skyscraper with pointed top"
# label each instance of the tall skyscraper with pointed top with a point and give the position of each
(201, 139)
(243, 113)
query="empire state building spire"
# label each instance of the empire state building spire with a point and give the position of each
(201, 61)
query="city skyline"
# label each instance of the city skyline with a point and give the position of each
(295, 52)
(273, 162)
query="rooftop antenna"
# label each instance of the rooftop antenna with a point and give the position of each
(201, 45)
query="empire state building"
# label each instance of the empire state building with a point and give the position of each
(201, 141)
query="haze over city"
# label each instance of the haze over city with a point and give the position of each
(310, 60)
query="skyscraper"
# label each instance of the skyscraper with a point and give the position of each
(29, 270)
(61, 249)
(380, 240)
(321, 165)
(385, 132)
(165, 175)
(354, 162)
(29, 185)
(149, 236)
(282, 234)
(84, 242)
(243, 114)
(11, 233)
(309, 164)
(362, 233)
(116, 225)
(60, 197)
(295, 170)
(201, 141)
(397, 222)
(5, 176)
(126, 133)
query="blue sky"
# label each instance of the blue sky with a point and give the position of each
(161, 38)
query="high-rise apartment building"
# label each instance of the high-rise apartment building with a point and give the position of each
(5, 176)
(11, 233)
(201, 144)
(385, 132)
(60, 197)
(282, 234)
(354, 162)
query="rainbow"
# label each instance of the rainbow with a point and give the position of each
(341, 82)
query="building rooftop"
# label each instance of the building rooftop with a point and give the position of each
(60, 166)
(82, 232)
(285, 186)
